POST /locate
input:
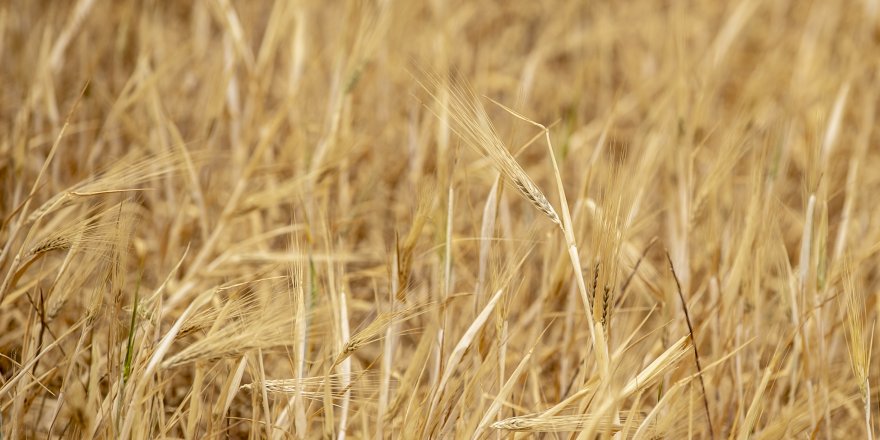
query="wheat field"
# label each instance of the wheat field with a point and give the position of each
(373, 219)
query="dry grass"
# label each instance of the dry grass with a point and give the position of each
(376, 219)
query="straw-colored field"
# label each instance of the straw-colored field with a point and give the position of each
(374, 219)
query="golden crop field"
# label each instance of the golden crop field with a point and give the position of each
(368, 219)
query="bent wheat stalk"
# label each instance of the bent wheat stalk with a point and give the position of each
(472, 124)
